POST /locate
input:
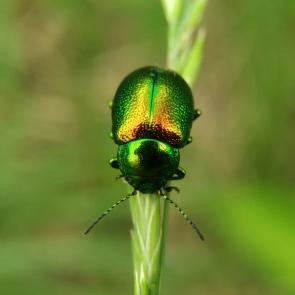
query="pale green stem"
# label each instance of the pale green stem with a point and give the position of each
(149, 211)
(147, 241)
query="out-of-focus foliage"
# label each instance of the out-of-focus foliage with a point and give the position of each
(60, 62)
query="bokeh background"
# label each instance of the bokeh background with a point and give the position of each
(60, 63)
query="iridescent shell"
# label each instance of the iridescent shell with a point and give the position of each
(153, 103)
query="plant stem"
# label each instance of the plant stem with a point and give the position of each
(149, 215)
(147, 241)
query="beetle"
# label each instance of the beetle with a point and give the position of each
(152, 115)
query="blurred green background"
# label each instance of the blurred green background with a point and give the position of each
(60, 63)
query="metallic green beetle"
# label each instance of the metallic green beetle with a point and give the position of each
(152, 115)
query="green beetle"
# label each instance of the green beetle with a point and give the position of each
(152, 115)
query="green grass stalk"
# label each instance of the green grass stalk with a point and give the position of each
(149, 211)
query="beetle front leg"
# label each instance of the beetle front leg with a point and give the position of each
(114, 163)
(179, 174)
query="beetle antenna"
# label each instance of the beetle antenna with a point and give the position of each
(188, 220)
(108, 211)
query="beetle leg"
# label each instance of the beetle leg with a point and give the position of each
(168, 189)
(197, 114)
(189, 140)
(179, 174)
(111, 135)
(110, 104)
(114, 163)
